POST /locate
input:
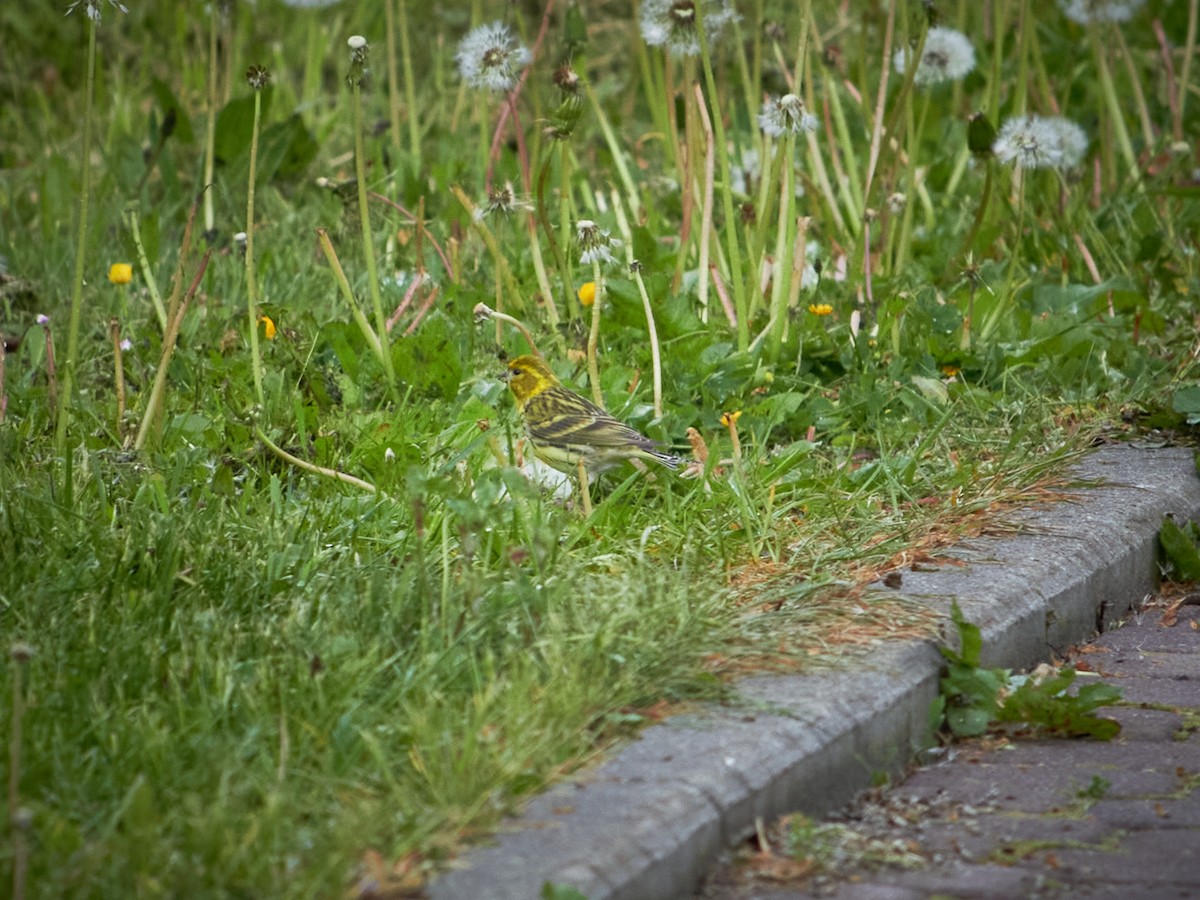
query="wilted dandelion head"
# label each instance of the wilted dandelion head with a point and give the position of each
(672, 23)
(1039, 142)
(359, 50)
(785, 115)
(93, 8)
(504, 201)
(1085, 11)
(257, 77)
(948, 56)
(595, 244)
(490, 57)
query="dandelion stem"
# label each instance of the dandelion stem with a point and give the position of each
(114, 332)
(356, 313)
(410, 91)
(651, 327)
(393, 73)
(706, 210)
(364, 217)
(85, 190)
(210, 135)
(251, 281)
(593, 340)
(787, 203)
(135, 232)
(1189, 54)
(312, 467)
(158, 389)
(614, 148)
(1114, 104)
(731, 235)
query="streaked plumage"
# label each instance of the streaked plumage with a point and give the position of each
(565, 428)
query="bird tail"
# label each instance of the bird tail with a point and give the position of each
(671, 462)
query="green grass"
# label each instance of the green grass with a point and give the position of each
(248, 677)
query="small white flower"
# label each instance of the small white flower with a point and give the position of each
(42, 319)
(389, 455)
(126, 344)
(93, 8)
(785, 115)
(356, 42)
(240, 237)
(1085, 11)
(490, 57)
(947, 56)
(672, 23)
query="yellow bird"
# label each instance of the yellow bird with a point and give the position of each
(569, 432)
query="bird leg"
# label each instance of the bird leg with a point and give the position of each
(585, 491)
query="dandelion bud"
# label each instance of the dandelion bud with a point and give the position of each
(358, 59)
(981, 134)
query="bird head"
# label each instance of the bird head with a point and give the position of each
(528, 376)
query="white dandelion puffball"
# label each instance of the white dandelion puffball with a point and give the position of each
(948, 55)
(491, 57)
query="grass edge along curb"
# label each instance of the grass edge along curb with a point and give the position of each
(647, 823)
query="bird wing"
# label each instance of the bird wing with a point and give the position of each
(560, 416)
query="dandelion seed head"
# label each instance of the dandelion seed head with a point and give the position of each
(947, 56)
(356, 42)
(1026, 141)
(94, 8)
(1086, 11)
(672, 23)
(503, 201)
(490, 57)
(1072, 140)
(595, 244)
(1040, 142)
(257, 77)
(785, 115)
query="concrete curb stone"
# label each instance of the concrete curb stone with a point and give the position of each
(648, 822)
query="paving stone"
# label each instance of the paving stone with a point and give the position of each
(650, 821)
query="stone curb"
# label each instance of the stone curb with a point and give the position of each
(650, 821)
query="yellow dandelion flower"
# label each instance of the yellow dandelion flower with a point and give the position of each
(729, 419)
(587, 293)
(120, 273)
(820, 309)
(268, 327)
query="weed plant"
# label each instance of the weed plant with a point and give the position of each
(872, 290)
